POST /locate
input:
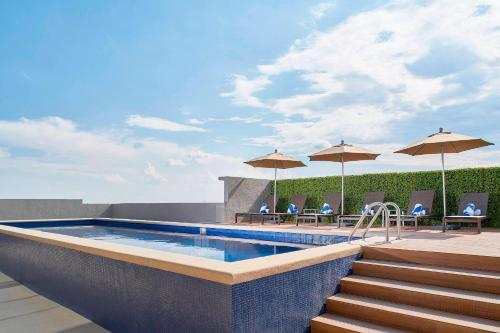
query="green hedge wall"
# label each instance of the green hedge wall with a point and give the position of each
(397, 188)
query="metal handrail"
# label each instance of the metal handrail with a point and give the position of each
(385, 219)
(382, 209)
(398, 217)
(362, 218)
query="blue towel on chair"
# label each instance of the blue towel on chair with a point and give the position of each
(371, 212)
(292, 209)
(264, 209)
(326, 209)
(418, 210)
(470, 210)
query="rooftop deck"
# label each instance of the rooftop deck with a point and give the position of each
(463, 241)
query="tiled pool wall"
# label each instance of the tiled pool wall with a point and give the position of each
(287, 302)
(126, 297)
(275, 236)
(120, 296)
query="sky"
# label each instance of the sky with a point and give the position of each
(153, 101)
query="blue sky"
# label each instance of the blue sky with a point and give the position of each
(120, 101)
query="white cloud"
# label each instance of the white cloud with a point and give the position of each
(246, 120)
(175, 162)
(320, 9)
(365, 123)
(61, 138)
(160, 124)
(377, 69)
(153, 173)
(4, 152)
(219, 140)
(244, 90)
(65, 161)
(114, 178)
(195, 121)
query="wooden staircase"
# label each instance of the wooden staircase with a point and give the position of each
(394, 290)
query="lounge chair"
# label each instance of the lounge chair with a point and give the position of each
(478, 199)
(269, 202)
(426, 199)
(333, 199)
(370, 197)
(299, 200)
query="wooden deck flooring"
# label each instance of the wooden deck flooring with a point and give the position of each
(463, 241)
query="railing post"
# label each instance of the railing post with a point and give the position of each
(398, 218)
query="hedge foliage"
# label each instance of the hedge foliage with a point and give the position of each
(398, 187)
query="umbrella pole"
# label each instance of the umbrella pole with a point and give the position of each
(342, 200)
(274, 208)
(444, 186)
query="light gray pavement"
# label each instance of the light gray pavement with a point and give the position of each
(22, 310)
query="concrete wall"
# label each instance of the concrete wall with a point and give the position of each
(26, 209)
(176, 212)
(96, 210)
(243, 195)
(15, 209)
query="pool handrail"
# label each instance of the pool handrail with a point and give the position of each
(385, 220)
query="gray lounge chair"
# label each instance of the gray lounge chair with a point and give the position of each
(299, 200)
(270, 203)
(333, 199)
(370, 197)
(478, 199)
(426, 199)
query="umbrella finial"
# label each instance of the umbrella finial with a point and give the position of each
(275, 150)
(440, 130)
(341, 142)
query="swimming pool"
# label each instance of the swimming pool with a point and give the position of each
(211, 247)
(150, 276)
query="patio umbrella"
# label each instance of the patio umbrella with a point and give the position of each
(443, 143)
(343, 153)
(275, 161)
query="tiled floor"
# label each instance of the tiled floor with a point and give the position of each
(22, 310)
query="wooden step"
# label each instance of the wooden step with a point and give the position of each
(464, 302)
(488, 282)
(441, 259)
(328, 323)
(407, 317)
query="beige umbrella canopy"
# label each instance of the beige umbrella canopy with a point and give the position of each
(442, 143)
(343, 153)
(275, 161)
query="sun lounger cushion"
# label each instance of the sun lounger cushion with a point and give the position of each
(418, 210)
(292, 209)
(471, 210)
(264, 209)
(371, 212)
(326, 209)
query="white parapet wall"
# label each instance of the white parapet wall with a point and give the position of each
(18, 209)
(30, 209)
(198, 212)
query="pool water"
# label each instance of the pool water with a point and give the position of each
(212, 247)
